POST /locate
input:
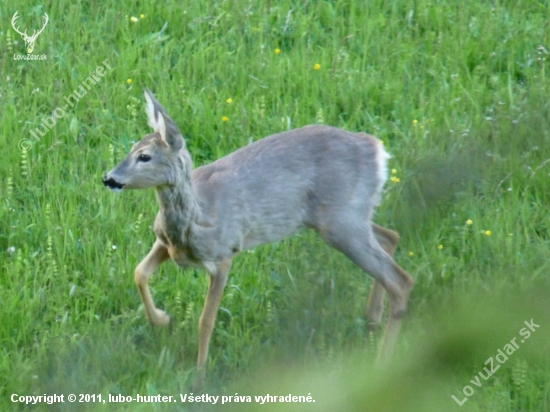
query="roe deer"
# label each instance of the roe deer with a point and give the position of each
(315, 177)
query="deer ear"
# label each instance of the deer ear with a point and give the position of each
(152, 118)
(161, 123)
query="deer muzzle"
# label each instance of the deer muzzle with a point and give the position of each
(112, 184)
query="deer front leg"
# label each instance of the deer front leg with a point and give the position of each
(216, 285)
(146, 267)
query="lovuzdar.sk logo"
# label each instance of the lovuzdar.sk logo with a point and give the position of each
(29, 40)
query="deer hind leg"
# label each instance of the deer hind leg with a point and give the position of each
(146, 267)
(388, 239)
(359, 244)
(216, 285)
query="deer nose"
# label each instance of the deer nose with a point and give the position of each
(112, 184)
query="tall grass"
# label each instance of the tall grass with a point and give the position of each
(457, 91)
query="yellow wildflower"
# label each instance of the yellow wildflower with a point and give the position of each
(133, 19)
(393, 171)
(469, 222)
(129, 81)
(411, 254)
(225, 118)
(142, 16)
(317, 66)
(487, 233)
(277, 51)
(229, 101)
(440, 247)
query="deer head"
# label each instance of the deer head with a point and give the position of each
(159, 159)
(29, 40)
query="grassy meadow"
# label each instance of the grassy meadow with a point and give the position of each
(458, 93)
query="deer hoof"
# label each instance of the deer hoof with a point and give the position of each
(161, 318)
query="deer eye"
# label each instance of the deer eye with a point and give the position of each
(143, 158)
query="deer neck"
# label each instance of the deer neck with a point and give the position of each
(179, 208)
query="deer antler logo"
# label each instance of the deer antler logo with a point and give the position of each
(29, 40)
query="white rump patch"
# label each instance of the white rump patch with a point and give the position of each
(381, 168)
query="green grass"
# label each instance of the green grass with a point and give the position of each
(457, 91)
